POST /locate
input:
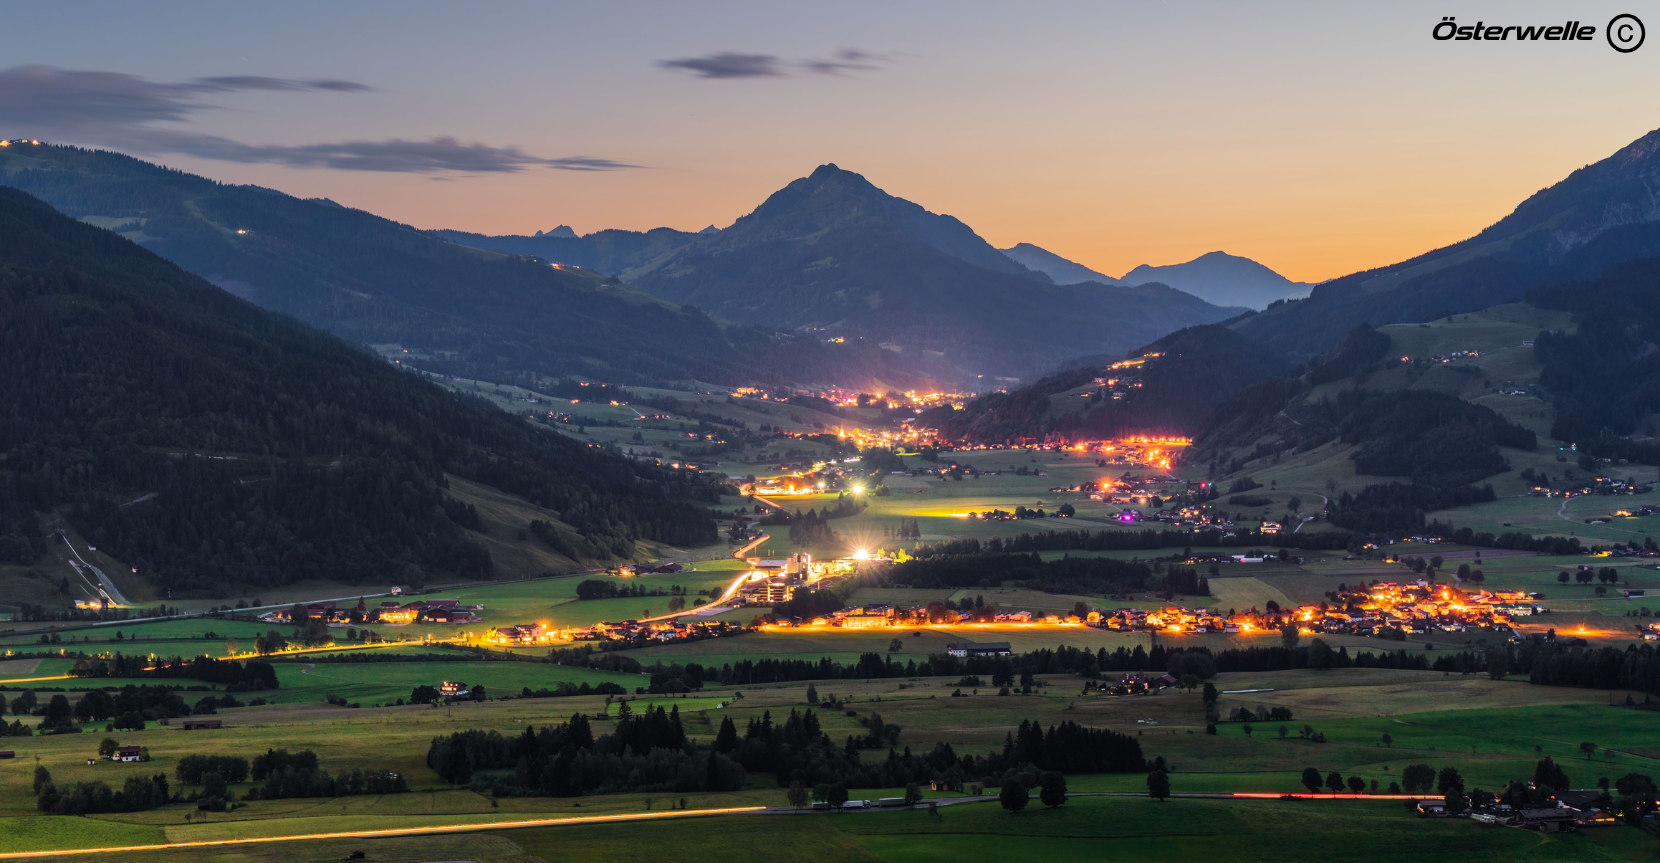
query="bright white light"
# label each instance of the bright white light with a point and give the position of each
(861, 554)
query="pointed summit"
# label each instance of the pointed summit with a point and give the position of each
(1063, 271)
(833, 252)
(710, 230)
(562, 232)
(1223, 279)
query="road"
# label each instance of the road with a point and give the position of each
(109, 587)
(715, 607)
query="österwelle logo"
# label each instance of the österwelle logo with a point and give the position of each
(1624, 32)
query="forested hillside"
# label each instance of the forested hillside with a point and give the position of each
(1606, 374)
(1188, 374)
(1438, 442)
(212, 444)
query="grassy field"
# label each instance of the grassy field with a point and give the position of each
(1086, 828)
(1493, 733)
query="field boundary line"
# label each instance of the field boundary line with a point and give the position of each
(396, 831)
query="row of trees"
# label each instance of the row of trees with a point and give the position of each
(252, 675)
(644, 752)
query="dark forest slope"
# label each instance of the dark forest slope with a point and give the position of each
(214, 444)
(1185, 375)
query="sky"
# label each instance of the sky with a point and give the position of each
(1316, 138)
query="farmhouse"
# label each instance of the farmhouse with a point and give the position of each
(969, 648)
(130, 753)
(524, 633)
(203, 724)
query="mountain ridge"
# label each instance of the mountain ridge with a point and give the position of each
(834, 254)
(1597, 217)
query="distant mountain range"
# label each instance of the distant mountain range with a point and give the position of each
(466, 311)
(1224, 279)
(1601, 215)
(1215, 277)
(832, 254)
(1061, 270)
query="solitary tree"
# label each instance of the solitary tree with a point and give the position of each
(913, 794)
(812, 694)
(837, 795)
(1013, 796)
(1387, 740)
(1158, 785)
(1311, 779)
(1589, 749)
(1052, 788)
(1562, 576)
(797, 795)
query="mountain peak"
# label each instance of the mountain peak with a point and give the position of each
(563, 232)
(1223, 279)
(1061, 270)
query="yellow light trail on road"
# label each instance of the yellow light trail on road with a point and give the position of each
(396, 831)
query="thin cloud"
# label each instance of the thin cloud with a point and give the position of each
(125, 112)
(726, 64)
(847, 60)
(260, 82)
(442, 154)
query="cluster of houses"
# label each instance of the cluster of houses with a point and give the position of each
(1414, 608)
(390, 612)
(1571, 811)
(1447, 358)
(880, 614)
(804, 479)
(522, 634)
(671, 630)
(1133, 683)
(1600, 485)
(771, 582)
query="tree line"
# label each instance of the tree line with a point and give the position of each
(253, 675)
